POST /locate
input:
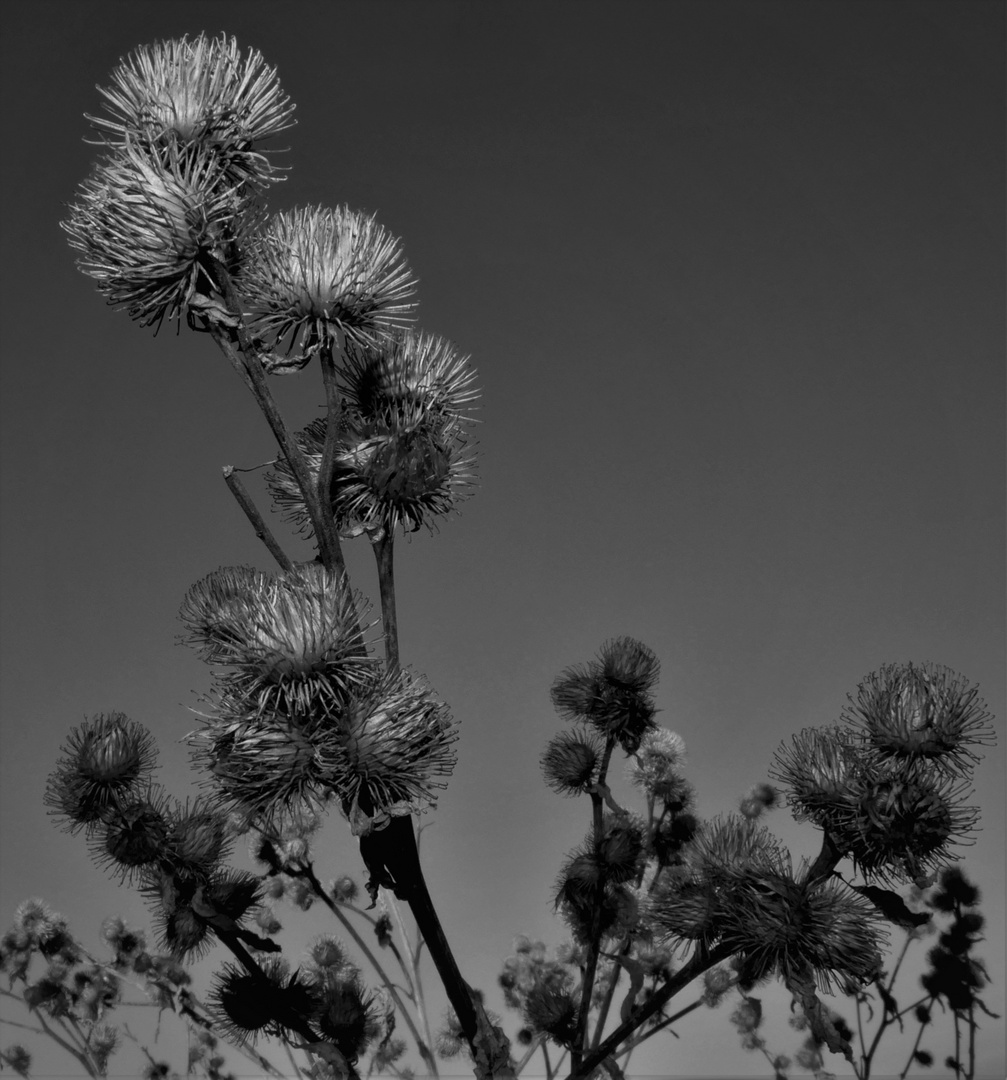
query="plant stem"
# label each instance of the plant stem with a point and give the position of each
(391, 856)
(700, 961)
(594, 944)
(384, 553)
(239, 491)
(245, 360)
(309, 875)
(328, 463)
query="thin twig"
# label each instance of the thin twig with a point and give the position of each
(240, 492)
(327, 465)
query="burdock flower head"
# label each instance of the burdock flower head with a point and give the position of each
(201, 91)
(105, 760)
(892, 814)
(293, 642)
(925, 713)
(657, 762)
(612, 693)
(402, 452)
(148, 226)
(777, 924)
(314, 272)
(389, 750)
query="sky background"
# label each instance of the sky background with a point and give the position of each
(732, 278)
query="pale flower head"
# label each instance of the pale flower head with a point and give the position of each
(311, 273)
(201, 91)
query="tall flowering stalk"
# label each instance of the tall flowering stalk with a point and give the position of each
(302, 714)
(312, 709)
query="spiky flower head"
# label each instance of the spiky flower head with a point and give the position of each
(570, 762)
(133, 833)
(147, 226)
(655, 765)
(265, 767)
(903, 823)
(385, 476)
(345, 1013)
(180, 929)
(891, 814)
(388, 751)
(313, 273)
(408, 379)
(612, 693)
(103, 761)
(781, 925)
(271, 1002)
(294, 641)
(819, 768)
(201, 91)
(921, 713)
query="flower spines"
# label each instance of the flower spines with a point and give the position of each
(201, 91)
(294, 642)
(612, 693)
(313, 272)
(895, 815)
(104, 760)
(921, 713)
(403, 456)
(147, 224)
(390, 749)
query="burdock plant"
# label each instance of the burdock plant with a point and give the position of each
(311, 709)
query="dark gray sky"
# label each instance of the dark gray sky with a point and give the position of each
(732, 277)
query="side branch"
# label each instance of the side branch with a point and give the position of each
(244, 500)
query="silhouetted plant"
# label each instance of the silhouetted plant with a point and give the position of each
(303, 714)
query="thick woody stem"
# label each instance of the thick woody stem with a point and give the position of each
(391, 853)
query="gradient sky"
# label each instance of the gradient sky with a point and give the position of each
(732, 277)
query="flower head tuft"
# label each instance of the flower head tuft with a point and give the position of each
(201, 91)
(293, 641)
(147, 225)
(104, 760)
(314, 272)
(925, 713)
(612, 693)
(570, 762)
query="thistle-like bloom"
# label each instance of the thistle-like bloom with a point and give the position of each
(294, 641)
(925, 713)
(612, 693)
(388, 751)
(345, 1013)
(134, 833)
(819, 768)
(202, 92)
(312, 272)
(104, 760)
(656, 763)
(570, 762)
(779, 925)
(384, 478)
(264, 768)
(892, 814)
(408, 380)
(146, 224)
(173, 898)
(272, 1003)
